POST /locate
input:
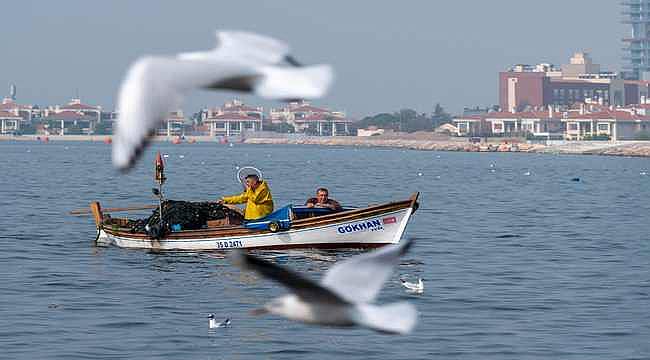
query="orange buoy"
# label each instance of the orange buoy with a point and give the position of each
(108, 140)
(176, 141)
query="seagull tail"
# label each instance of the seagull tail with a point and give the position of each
(394, 318)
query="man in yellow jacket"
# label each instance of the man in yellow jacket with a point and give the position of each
(257, 196)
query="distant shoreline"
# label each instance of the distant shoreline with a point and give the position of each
(606, 148)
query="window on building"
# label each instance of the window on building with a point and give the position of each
(572, 126)
(603, 127)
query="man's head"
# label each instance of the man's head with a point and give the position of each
(252, 181)
(322, 195)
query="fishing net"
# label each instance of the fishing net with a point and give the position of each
(183, 215)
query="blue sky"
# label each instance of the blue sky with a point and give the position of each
(387, 54)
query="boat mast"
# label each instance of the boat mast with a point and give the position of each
(160, 179)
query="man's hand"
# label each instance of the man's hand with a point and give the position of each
(220, 202)
(310, 205)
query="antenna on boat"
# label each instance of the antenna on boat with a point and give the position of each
(160, 179)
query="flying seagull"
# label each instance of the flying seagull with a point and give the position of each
(344, 296)
(242, 61)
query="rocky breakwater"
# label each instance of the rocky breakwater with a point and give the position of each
(415, 144)
(641, 149)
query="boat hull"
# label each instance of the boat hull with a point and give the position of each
(356, 229)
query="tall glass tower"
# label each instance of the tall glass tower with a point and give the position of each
(636, 13)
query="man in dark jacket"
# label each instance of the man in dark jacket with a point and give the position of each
(322, 200)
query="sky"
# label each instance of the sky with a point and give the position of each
(387, 55)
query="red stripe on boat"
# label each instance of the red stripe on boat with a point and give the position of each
(390, 220)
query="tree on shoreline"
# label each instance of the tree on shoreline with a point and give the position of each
(407, 120)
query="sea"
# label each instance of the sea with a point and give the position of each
(523, 256)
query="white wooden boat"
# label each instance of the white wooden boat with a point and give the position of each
(372, 226)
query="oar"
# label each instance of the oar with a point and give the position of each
(118, 209)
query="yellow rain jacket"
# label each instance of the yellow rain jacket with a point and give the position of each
(259, 203)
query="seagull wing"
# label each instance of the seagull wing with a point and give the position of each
(154, 86)
(304, 288)
(360, 278)
(243, 46)
(290, 83)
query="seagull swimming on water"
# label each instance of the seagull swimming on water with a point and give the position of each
(417, 287)
(345, 294)
(213, 324)
(242, 61)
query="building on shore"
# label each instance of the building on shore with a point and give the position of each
(637, 45)
(26, 112)
(525, 87)
(9, 122)
(74, 117)
(234, 118)
(306, 118)
(173, 125)
(67, 123)
(629, 123)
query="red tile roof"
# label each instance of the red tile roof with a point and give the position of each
(617, 115)
(233, 116)
(321, 117)
(8, 115)
(236, 108)
(75, 106)
(69, 115)
(309, 108)
(501, 115)
(9, 104)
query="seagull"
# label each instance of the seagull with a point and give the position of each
(343, 297)
(213, 324)
(242, 61)
(417, 287)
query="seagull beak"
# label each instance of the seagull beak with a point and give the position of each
(258, 311)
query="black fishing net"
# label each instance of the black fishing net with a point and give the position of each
(182, 215)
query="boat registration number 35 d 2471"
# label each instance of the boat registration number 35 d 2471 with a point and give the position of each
(229, 244)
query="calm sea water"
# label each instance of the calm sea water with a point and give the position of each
(519, 262)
